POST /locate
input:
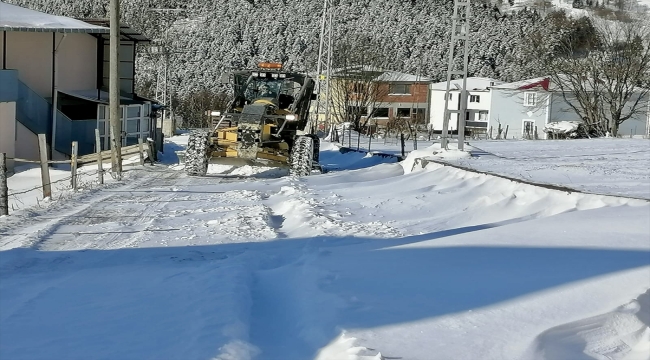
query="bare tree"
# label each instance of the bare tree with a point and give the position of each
(625, 74)
(356, 91)
(193, 106)
(601, 71)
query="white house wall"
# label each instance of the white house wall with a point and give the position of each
(77, 62)
(31, 54)
(507, 108)
(437, 109)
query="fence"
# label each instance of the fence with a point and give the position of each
(46, 184)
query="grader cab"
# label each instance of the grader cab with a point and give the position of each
(266, 120)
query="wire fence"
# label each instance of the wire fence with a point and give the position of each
(77, 179)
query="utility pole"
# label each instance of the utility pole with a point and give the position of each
(324, 66)
(163, 50)
(114, 90)
(459, 37)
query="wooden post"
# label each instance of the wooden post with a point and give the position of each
(100, 166)
(4, 189)
(358, 140)
(114, 88)
(141, 149)
(536, 134)
(350, 136)
(73, 165)
(402, 141)
(490, 136)
(499, 131)
(45, 169)
(369, 137)
(114, 167)
(505, 134)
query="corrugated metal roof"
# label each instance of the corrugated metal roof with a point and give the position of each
(16, 18)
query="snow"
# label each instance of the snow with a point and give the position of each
(370, 263)
(12, 16)
(561, 127)
(25, 185)
(603, 166)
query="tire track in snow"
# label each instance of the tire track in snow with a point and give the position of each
(288, 299)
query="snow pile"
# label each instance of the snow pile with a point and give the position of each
(623, 333)
(562, 127)
(260, 171)
(219, 168)
(433, 152)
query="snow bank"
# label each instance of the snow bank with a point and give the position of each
(562, 127)
(434, 151)
(623, 333)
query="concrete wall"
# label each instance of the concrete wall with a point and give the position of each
(31, 54)
(77, 62)
(8, 130)
(26, 143)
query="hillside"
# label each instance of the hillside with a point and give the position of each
(207, 37)
(210, 36)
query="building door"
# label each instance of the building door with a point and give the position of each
(103, 126)
(528, 129)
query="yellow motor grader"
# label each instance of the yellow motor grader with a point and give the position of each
(267, 120)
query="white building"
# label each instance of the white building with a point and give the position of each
(478, 103)
(524, 108)
(527, 106)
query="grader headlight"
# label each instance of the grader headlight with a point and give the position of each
(291, 117)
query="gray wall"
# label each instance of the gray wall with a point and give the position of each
(636, 125)
(508, 108)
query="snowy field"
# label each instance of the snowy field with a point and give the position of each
(368, 261)
(602, 166)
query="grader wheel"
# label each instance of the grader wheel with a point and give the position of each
(302, 156)
(196, 154)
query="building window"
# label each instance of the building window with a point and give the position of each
(530, 99)
(474, 98)
(380, 112)
(450, 96)
(403, 112)
(400, 89)
(358, 110)
(482, 115)
(466, 115)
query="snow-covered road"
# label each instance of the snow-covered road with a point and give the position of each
(374, 263)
